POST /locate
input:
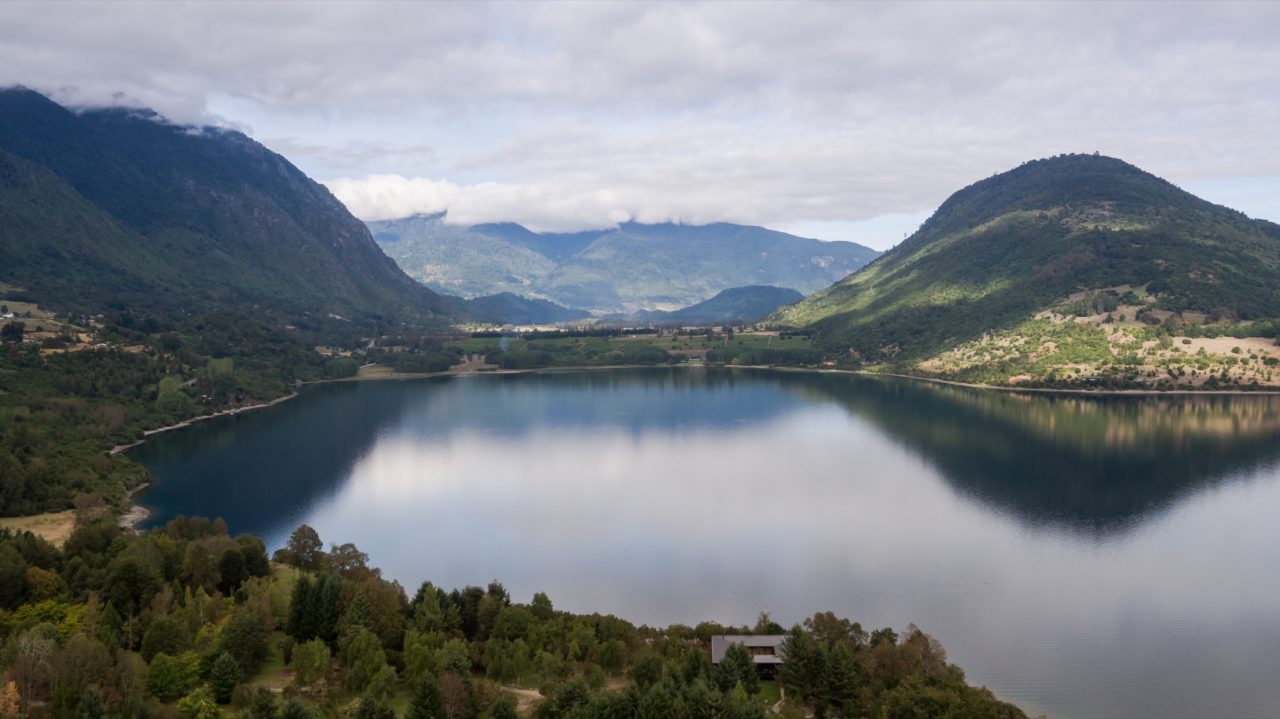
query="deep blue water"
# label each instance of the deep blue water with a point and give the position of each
(1083, 557)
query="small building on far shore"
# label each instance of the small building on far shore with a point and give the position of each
(765, 650)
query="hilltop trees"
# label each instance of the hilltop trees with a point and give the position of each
(138, 619)
(304, 550)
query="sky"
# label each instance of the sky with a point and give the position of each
(841, 120)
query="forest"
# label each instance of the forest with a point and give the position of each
(187, 621)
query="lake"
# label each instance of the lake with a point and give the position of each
(1081, 556)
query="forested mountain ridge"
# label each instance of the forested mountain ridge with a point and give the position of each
(631, 267)
(114, 209)
(732, 306)
(1070, 237)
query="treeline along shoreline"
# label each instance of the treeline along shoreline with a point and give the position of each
(185, 620)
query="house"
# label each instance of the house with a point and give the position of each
(765, 650)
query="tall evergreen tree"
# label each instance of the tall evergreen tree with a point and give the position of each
(301, 611)
(374, 708)
(325, 608)
(224, 675)
(426, 702)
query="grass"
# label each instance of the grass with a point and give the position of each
(54, 527)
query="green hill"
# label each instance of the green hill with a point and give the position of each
(1089, 244)
(507, 308)
(734, 305)
(624, 269)
(119, 209)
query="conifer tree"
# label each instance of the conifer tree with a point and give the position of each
(426, 702)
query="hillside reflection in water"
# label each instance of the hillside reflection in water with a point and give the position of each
(1082, 556)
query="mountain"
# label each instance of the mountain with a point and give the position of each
(631, 267)
(1076, 241)
(507, 308)
(120, 209)
(734, 305)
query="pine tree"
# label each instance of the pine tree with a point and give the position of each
(359, 614)
(301, 610)
(426, 702)
(224, 675)
(374, 708)
(324, 614)
(295, 709)
(262, 706)
(503, 708)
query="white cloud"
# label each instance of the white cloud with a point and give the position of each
(780, 114)
(386, 197)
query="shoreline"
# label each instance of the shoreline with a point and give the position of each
(188, 422)
(135, 513)
(1085, 392)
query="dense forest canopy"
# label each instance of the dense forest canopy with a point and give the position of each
(187, 620)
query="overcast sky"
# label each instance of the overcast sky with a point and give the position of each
(837, 120)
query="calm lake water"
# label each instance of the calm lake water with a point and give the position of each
(1082, 557)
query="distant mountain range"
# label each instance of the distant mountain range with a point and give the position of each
(628, 268)
(1077, 241)
(119, 209)
(1064, 265)
(731, 306)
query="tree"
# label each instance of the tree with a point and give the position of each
(254, 553)
(454, 656)
(310, 663)
(801, 664)
(13, 577)
(166, 634)
(737, 667)
(363, 655)
(232, 570)
(130, 683)
(245, 639)
(766, 625)
(262, 705)
(42, 584)
(301, 622)
(169, 677)
(295, 709)
(541, 607)
(82, 664)
(839, 678)
(304, 550)
(11, 702)
(198, 705)
(455, 693)
(512, 623)
(199, 568)
(90, 706)
(12, 332)
(30, 667)
(647, 671)
(131, 584)
(504, 707)
(374, 708)
(224, 675)
(349, 562)
(325, 605)
(359, 613)
(426, 702)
